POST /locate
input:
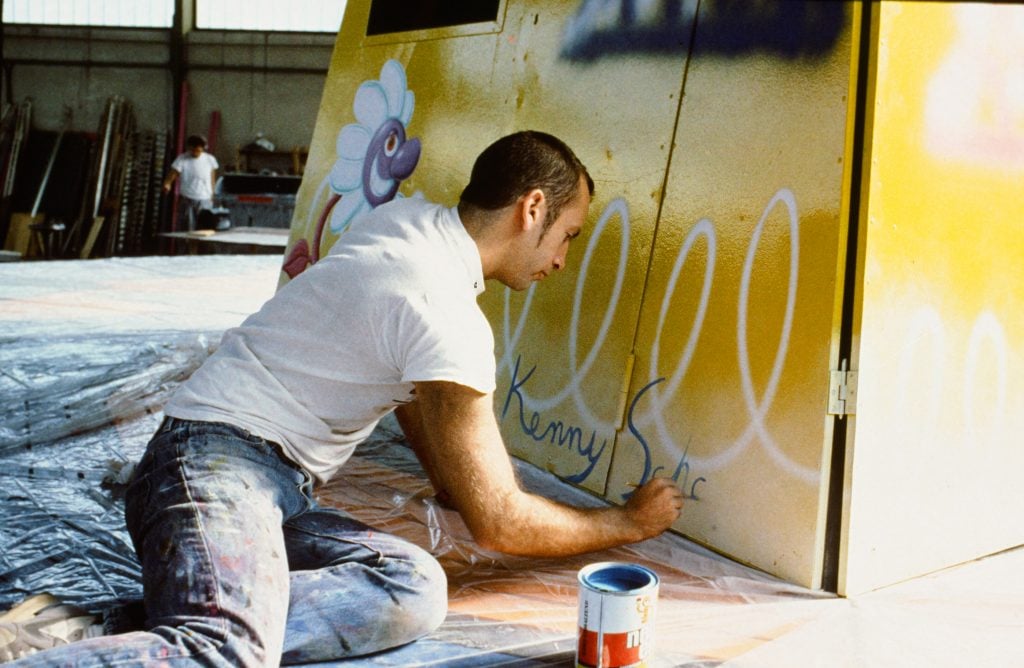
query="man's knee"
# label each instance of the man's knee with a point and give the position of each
(429, 609)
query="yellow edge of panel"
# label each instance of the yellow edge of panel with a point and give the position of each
(845, 199)
(858, 303)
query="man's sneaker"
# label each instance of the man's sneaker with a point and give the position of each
(49, 627)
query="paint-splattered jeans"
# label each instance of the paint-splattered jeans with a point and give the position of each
(241, 567)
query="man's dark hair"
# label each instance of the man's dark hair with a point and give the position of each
(513, 165)
(195, 140)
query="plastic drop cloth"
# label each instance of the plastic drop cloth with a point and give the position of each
(89, 351)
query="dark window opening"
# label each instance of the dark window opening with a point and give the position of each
(387, 16)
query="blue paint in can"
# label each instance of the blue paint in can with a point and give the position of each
(618, 578)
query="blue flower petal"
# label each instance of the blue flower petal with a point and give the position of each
(346, 175)
(407, 107)
(371, 105)
(352, 142)
(346, 210)
(392, 80)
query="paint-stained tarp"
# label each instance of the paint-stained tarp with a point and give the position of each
(89, 351)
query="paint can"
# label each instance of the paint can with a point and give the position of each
(616, 615)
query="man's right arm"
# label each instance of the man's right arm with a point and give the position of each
(172, 174)
(459, 436)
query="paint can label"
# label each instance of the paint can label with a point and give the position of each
(616, 615)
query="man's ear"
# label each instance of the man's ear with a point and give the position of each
(532, 208)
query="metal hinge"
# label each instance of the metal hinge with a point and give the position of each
(842, 391)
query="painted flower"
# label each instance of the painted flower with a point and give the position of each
(374, 157)
(374, 154)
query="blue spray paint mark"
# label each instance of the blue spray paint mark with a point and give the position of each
(569, 437)
(556, 432)
(651, 471)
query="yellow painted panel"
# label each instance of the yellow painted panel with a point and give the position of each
(563, 347)
(933, 473)
(735, 341)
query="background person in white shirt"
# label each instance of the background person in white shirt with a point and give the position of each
(197, 171)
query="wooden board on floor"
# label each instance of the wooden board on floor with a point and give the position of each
(19, 234)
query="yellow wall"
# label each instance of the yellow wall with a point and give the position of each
(735, 338)
(932, 474)
(692, 332)
(469, 90)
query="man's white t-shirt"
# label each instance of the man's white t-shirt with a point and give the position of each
(340, 346)
(195, 175)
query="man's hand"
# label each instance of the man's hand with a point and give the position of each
(654, 506)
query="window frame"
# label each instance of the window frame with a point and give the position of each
(195, 24)
(104, 26)
(444, 32)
